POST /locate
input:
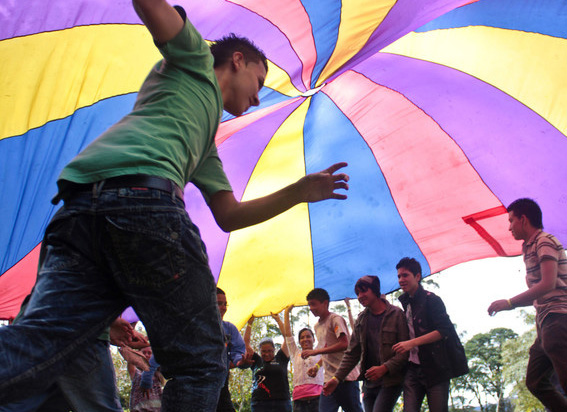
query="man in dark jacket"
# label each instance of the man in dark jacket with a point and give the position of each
(435, 352)
(377, 328)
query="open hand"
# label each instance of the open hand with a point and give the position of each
(320, 186)
(498, 306)
(121, 332)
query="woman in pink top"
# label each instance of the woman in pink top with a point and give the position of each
(307, 385)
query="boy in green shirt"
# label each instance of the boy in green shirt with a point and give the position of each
(123, 236)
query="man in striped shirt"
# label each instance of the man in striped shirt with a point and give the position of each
(546, 277)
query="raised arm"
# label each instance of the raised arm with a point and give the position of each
(161, 19)
(232, 215)
(248, 331)
(278, 320)
(287, 321)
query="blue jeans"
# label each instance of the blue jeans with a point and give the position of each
(415, 390)
(276, 405)
(102, 252)
(88, 384)
(346, 395)
(380, 398)
(311, 405)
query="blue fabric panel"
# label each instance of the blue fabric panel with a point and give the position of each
(30, 166)
(364, 234)
(523, 15)
(325, 33)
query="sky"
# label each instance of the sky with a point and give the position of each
(469, 288)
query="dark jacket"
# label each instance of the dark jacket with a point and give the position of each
(392, 330)
(444, 359)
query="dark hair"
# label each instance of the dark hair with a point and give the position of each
(529, 208)
(410, 264)
(368, 282)
(223, 49)
(303, 330)
(266, 341)
(220, 291)
(319, 294)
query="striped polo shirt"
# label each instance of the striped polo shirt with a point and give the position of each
(541, 247)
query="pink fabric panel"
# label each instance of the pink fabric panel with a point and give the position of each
(430, 178)
(292, 19)
(16, 284)
(228, 128)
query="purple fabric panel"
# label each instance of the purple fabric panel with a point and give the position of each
(219, 18)
(404, 17)
(515, 151)
(213, 19)
(239, 154)
(130, 315)
(25, 17)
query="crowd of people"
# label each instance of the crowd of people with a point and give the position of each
(415, 351)
(123, 238)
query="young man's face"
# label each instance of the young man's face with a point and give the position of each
(367, 297)
(247, 80)
(317, 307)
(221, 301)
(517, 226)
(408, 281)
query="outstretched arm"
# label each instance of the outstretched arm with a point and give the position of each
(232, 215)
(406, 346)
(548, 280)
(340, 346)
(161, 19)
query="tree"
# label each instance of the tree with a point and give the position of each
(123, 382)
(515, 359)
(486, 378)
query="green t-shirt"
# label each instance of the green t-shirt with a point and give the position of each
(170, 132)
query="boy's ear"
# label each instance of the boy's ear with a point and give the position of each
(237, 60)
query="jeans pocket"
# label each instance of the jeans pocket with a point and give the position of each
(154, 249)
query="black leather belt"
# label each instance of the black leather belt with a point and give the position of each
(131, 181)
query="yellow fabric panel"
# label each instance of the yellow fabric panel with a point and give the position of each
(48, 76)
(278, 80)
(528, 66)
(271, 261)
(359, 19)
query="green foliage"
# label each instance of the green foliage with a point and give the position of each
(515, 357)
(486, 379)
(122, 378)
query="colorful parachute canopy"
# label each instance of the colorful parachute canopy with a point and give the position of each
(445, 110)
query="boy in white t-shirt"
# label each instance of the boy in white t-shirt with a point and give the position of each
(333, 338)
